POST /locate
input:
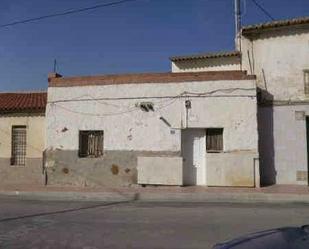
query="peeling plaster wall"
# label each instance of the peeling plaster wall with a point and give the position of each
(130, 132)
(31, 173)
(278, 59)
(209, 64)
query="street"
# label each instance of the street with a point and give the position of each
(53, 224)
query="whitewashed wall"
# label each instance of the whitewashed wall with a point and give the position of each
(209, 64)
(130, 133)
(278, 60)
(127, 127)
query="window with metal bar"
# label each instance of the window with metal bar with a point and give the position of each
(214, 140)
(90, 143)
(19, 145)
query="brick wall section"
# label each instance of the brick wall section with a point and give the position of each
(56, 80)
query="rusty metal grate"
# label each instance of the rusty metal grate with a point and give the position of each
(90, 143)
(19, 145)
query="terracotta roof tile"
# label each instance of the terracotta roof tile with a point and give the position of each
(144, 78)
(23, 102)
(274, 24)
(206, 55)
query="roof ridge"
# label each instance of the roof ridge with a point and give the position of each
(24, 92)
(215, 54)
(277, 23)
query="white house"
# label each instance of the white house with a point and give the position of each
(159, 128)
(278, 54)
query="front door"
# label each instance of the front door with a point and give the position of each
(193, 153)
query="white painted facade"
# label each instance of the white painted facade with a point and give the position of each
(210, 64)
(228, 104)
(278, 58)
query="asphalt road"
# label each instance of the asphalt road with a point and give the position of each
(50, 224)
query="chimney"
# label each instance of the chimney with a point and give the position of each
(53, 76)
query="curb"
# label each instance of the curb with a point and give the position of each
(225, 197)
(70, 196)
(159, 197)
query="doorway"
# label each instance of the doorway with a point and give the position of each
(193, 147)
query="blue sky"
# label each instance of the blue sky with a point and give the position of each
(132, 37)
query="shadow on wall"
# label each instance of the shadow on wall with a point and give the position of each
(266, 138)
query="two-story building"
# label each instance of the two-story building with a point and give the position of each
(278, 54)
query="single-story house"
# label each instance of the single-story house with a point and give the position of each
(22, 138)
(152, 128)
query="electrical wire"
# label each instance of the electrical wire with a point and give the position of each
(224, 90)
(263, 9)
(65, 13)
(171, 100)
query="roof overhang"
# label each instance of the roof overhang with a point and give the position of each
(275, 25)
(206, 56)
(144, 78)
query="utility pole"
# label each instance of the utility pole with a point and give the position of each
(55, 66)
(237, 25)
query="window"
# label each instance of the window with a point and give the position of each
(90, 143)
(306, 81)
(214, 140)
(18, 154)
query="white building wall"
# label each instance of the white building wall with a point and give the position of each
(112, 115)
(113, 108)
(209, 64)
(278, 59)
(283, 148)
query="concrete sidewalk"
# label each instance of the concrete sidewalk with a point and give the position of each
(272, 194)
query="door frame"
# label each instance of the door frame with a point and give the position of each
(201, 179)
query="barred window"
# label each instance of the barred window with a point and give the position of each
(214, 140)
(90, 143)
(18, 154)
(306, 81)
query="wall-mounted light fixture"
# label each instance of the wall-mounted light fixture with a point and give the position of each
(188, 104)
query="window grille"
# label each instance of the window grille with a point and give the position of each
(90, 143)
(214, 140)
(19, 145)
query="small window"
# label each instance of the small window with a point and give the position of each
(214, 140)
(90, 143)
(18, 151)
(306, 81)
